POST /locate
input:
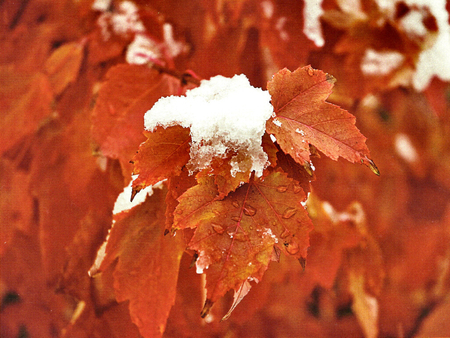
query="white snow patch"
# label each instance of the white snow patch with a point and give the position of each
(123, 21)
(202, 262)
(405, 148)
(101, 5)
(267, 8)
(380, 63)
(311, 27)
(273, 138)
(101, 253)
(142, 50)
(276, 122)
(268, 233)
(299, 131)
(305, 202)
(223, 114)
(126, 19)
(412, 23)
(174, 47)
(123, 202)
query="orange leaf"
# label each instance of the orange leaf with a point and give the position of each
(25, 101)
(63, 65)
(303, 117)
(118, 117)
(235, 237)
(164, 154)
(147, 269)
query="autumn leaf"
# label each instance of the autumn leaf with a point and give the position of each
(235, 237)
(148, 262)
(15, 204)
(63, 65)
(163, 154)
(25, 100)
(226, 178)
(176, 185)
(118, 117)
(303, 117)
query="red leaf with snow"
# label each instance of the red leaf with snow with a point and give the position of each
(303, 117)
(164, 154)
(147, 269)
(118, 117)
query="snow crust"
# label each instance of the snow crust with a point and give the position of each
(405, 148)
(223, 114)
(380, 62)
(123, 200)
(141, 50)
(312, 27)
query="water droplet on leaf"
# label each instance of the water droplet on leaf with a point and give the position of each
(297, 189)
(241, 236)
(249, 210)
(289, 212)
(235, 218)
(282, 188)
(310, 71)
(292, 248)
(235, 204)
(285, 233)
(217, 228)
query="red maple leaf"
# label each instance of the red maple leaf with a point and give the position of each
(118, 117)
(303, 117)
(235, 237)
(164, 154)
(147, 260)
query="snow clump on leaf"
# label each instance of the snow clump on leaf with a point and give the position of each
(225, 116)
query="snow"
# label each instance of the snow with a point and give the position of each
(433, 61)
(126, 19)
(202, 262)
(380, 63)
(267, 8)
(174, 47)
(123, 20)
(405, 149)
(101, 5)
(299, 131)
(412, 23)
(142, 50)
(223, 114)
(312, 27)
(123, 202)
(267, 232)
(276, 122)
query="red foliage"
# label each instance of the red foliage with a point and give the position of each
(374, 251)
